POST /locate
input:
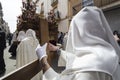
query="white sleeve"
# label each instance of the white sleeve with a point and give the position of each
(50, 74)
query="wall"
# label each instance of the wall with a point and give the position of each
(113, 17)
(47, 7)
(63, 9)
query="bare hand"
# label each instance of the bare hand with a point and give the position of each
(51, 47)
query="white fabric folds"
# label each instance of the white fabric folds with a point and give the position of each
(91, 45)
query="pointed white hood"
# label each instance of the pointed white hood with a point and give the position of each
(91, 40)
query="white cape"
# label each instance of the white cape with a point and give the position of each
(26, 53)
(91, 45)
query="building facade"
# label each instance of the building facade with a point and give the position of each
(68, 8)
(3, 25)
(111, 10)
(59, 7)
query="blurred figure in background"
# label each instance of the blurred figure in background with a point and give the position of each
(14, 44)
(2, 47)
(117, 36)
(60, 38)
(9, 37)
(26, 51)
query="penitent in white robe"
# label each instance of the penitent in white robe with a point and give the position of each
(26, 51)
(91, 51)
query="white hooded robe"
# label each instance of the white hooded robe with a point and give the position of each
(26, 51)
(90, 50)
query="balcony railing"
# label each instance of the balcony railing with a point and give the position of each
(98, 3)
(101, 3)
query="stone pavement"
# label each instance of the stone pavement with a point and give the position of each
(9, 61)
